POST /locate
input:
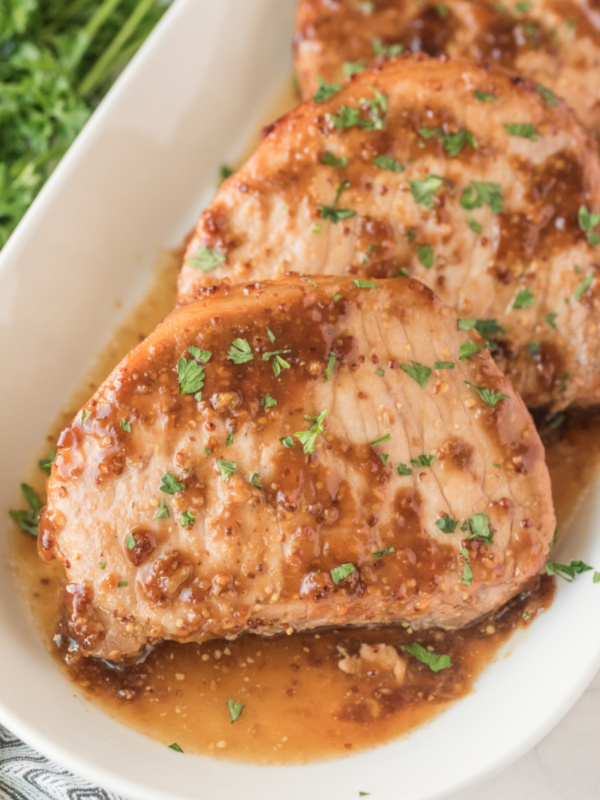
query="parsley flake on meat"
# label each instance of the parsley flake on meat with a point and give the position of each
(339, 573)
(240, 352)
(417, 372)
(308, 438)
(206, 259)
(434, 661)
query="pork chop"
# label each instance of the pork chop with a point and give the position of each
(464, 177)
(556, 43)
(280, 457)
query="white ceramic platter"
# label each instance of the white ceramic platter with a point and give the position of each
(133, 183)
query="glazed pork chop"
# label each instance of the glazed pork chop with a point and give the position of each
(464, 177)
(284, 456)
(554, 42)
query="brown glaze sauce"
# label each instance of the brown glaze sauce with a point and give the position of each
(307, 696)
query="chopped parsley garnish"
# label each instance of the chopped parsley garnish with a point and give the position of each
(121, 584)
(547, 94)
(526, 616)
(522, 6)
(534, 348)
(125, 425)
(240, 352)
(522, 129)
(337, 297)
(551, 319)
(381, 553)
(190, 376)
(425, 255)
(207, 450)
(486, 327)
(430, 133)
(278, 362)
(331, 362)
(229, 439)
(424, 190)
(376, 108)
(468, 349)
(524, 299)
(85, 415)
(566, 571)
(384, 458)
(45, 464)
(351, 68)
(388, 163)
(268, 401)
(28, 520)
(587, 222)
(187, 518)
(226, 468)
(479, 524)
(206, 259)
(162, 512)
(198, 354)
(403, 470)
(387, 50)
(446, 524)
(308, 438)
(329, 159)
(489, 396)
(325, 90)
(434, 661)
(339, 573)
(381, 440)
(467, 576)
(254, 480)
(235, 709)
(224, 172)
(476, 194)
(360, 284)
(596, 578)
(583, 287)
(474, 225)
(454, 142)
(102, 564)
(170, 484)
(175, 747)
(287, 441)
(379, 372)
(417, 372)
(484, 97)
(333, 213)
(444, 365)
(422, 461)
(556, 421)
(130, 541)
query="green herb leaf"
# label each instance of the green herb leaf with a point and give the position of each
(484, 97)
(170, 484)
(403, 470)
(360, 284)
(162, 512)
(229, 439)
(351, 68)
(130, 541)
(102, 564)
(308, 438)
(278, 362)
(375, 108)
(268, 401)
(446, 524)
(473, 224)
(522, 129)
(339, 573)
(224, 172)
(566, 571)
(254, 480)
(524, 299)
(454, 142)
(489, 396)
(480, 529)
(422, 461)
(198, 354)
(206, 259)
(468, 349)
(235, 709)
(534, 348)
(381, 440)
(547, 94)
(444, 365)
(417, 371)
(287, 441)
(434, 661)
(325, 90)
(381, 553)
(388, 163)
(425, 255)
(331, 362)
(550, 319)
(476, 194)
(424, 190)
(28, 520)
(176, 747)
(583, 287)
(329, 159)
(190, 376)
(121, 584)
(187, 518)
(467, 576)
(387, 50)
(333, 213)
(125, 425)
(85, 415)
(45, 464)
(226, 468)
(240, 352)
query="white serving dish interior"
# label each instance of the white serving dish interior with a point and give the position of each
(134, 183)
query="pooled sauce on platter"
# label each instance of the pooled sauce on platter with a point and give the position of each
(306, 696)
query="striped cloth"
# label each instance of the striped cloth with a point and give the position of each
(26, 775)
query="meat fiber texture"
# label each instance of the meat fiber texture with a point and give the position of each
(464, 177)
(284, 456)
(555, 44)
